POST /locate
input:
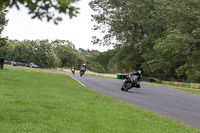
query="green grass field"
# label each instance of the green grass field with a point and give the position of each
(35, 102)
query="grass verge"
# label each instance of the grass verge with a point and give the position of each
(47, 103)
(190, 90)
(99, 76)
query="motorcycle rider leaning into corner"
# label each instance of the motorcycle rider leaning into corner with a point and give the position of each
(73, 70)
(138, 73)
(83, 67)
(135, 82)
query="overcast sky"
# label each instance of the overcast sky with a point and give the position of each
(78, 30)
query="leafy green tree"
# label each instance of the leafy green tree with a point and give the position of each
(83, 51)
(173, 51)
(93, 52)
(42, 9)
(100, 62)
(161, 37)
(3, 22)
(88, 52)
(67, 53)
(135, 25)
(169, 54)
(8, 51)
(38, 52)
(93, 65)
(46, 58)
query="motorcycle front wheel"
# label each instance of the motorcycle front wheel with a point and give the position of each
(123, 87)
(81, 73)
(128, 86)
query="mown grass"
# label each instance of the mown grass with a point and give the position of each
(99, 76)
(36, 102)
(32, 69)
(190, 90)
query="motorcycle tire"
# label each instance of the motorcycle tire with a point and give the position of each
(81, 74)
(138, 86)
(128, 86)
(122, 88)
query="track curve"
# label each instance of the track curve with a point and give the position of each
(175, 104)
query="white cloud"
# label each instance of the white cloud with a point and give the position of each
(78, 30)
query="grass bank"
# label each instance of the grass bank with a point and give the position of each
(190, 90)
(47, 103)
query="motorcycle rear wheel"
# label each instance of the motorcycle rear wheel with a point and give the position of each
(138, 86)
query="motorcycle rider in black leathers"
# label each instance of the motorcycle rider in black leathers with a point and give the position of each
(138, 73)
(83, 69)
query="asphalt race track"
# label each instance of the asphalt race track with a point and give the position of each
(175, 104)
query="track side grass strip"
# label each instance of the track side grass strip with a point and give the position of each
(190, 90)
(38, 102)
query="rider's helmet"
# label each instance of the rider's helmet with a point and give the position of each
(84, 64)
(139, 72)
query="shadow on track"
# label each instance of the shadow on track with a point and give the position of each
(133, 91)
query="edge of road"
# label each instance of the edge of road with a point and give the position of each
(76, 79)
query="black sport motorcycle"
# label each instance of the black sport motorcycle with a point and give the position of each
(82, 71)
(130, 81)
(73, 71)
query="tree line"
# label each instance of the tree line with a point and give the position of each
(45, 53)
(160, 37)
